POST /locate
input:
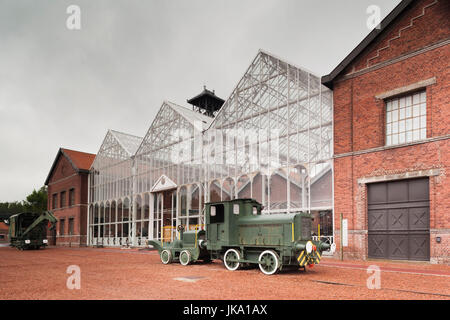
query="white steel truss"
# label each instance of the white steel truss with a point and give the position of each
(272, 140)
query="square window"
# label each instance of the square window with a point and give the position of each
(408, 101)
(423, 133)
(416, 123)
(395, 139)
(409, 136)
(389, 128)
(395, 127)
(408, 113)
(394, 104)
(423, 109)
(406, 118)
(395, 116)
(416, 110)
(423, 121)
(401, 138)
(389, 117)
(401, 126)
(408, 124)
(423, 97)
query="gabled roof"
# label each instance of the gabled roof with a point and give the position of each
(190, 115)
(328, 79)
(116, 146)
(80, 161)
(129, 142)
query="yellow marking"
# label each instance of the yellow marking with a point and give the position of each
(300, 256)
(318, 254)
(318, 227)
(292, 232)
(301, 263)
(196, 238)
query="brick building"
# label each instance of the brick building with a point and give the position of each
(391, 137)
(67, 184)
(4, 230)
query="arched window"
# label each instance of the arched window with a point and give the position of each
(183, 201)
(126, 217)
(137, 203)
(321, 181)
(260, 189)
(297, 177)
(119, 217)
(243, 187)
(278, 190)
(214, 191)
(101, 219)
(228, 189)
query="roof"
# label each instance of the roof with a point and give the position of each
(129, 142)
(80, 161)
(328, 79)
(190, 115)
(207, 100)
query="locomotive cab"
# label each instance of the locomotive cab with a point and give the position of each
(222, 217)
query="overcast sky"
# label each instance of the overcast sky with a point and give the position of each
(66, 88)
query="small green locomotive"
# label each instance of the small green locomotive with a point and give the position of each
(238, 234)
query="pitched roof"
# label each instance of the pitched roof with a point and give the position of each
(80, 161)
(328, 79)
(129, 142)
(190, 115)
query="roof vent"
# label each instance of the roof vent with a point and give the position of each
(206, 103)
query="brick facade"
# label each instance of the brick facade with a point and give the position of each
(65, 176)
(421, 52)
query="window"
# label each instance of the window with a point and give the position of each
(70, 226)
(218, 211)
(54, 200)
(406, 119)
(255, 211)
(61, 227)
(71, 197)
(236, 208)
(62, 199)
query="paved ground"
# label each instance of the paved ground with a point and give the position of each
(137, 274)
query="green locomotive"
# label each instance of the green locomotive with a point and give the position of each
(238, 234)
(28, 230)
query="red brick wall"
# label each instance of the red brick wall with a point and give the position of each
(64, 178)
(426, 29)
(359, 120)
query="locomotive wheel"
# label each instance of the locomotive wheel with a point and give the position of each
(185, 257)
(233, 255)
(166, 256)
(269, 262)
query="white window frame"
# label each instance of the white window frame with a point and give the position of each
(406, 118)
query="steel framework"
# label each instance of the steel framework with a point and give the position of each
(271, 140)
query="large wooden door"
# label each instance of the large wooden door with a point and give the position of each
(399, 220)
